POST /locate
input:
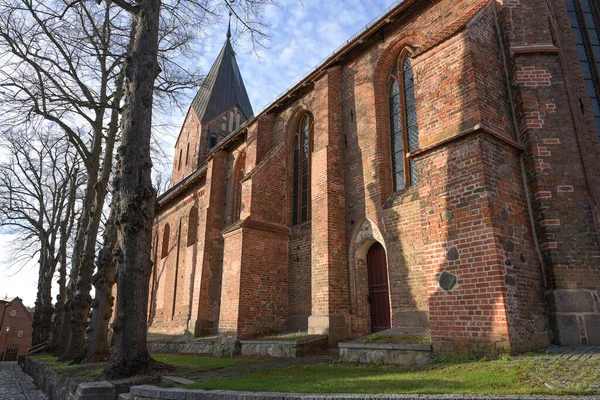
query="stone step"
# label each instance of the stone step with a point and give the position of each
(125, 396)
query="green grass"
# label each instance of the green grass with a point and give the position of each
(286, 336)
(184, 365)
(376, 338)
(83, 372)
(497, 377)
(188, 364)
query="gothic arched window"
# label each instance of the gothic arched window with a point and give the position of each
(192, 226)
(238, 175)
(165, 242)
(303, 147)
(403, 123)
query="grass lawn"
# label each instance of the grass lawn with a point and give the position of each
(498, 377)
(188, 364)
(184, 365)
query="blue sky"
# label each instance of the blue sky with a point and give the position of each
(302, 34)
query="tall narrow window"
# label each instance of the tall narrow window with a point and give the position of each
(403, 123)
(180, 157)
(192, 233)
(187, 154)
(165, 242)
(303, 146)
(212, 140)
(237, 181)
(584, 16)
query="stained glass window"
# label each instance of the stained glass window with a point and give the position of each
(404, 129)
(303, 145)
(584, 19)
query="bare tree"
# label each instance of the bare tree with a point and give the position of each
(38, 187)
(135, 197)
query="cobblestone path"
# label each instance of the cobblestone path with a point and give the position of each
(566, 367)
(16, 385)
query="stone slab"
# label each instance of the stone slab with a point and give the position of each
(566, 330)
(592, 325)
(386, 346)
(571, 301)
(416, 319)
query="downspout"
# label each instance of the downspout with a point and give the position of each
(521, 161)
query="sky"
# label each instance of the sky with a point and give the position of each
(302, 34)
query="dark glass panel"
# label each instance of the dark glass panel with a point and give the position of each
(413, 138)
(414, 177)
(399, 181)
(595, 107)
(581, 53)
(593, 34)
(296, 181)
(589, 20)
(596, 50)
(591, 89)
(585, 5)
(397, 143)
(573, 19)
(585, 67)
(597, 121)
(570, 5)
(578, 36)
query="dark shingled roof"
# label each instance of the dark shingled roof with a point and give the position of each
(222, 88)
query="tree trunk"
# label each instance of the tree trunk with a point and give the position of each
(96, 347)
(66, 227)
(97, 334)
(65, 321)
(135, 200)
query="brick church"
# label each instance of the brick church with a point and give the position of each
(439, 171)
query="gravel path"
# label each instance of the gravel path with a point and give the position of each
(16, 385)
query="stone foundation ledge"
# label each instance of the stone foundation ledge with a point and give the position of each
(147, 392)
(385, 353)
(195, 347)
(283, 348)
(58, 387)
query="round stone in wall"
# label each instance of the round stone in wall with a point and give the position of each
(448, 281)
(452, 254)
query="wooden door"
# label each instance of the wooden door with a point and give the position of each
(379, 292)
(11, 353)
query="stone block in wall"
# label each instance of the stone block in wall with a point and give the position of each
(571, 301)
(592, 325)
(416, 319)
(566, 330)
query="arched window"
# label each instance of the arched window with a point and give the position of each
(224, 122)
(212, 140)
(403, 123)
(303, 147)
(165, 242)
(238, 176)
(192, 226)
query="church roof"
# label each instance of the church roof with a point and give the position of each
(222, 88)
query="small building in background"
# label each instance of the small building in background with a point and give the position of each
(15, 329)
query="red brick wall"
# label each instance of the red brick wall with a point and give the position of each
(20, 322)
(487, 97)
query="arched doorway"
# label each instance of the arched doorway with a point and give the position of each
(379, 291)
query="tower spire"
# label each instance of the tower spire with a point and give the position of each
(229, 27)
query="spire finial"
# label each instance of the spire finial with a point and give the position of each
(228, 2)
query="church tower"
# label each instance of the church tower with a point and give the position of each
(219, 108)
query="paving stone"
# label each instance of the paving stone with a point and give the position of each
(16, 385)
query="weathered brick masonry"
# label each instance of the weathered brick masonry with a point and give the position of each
(492, 246)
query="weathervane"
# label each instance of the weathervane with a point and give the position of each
(229, 2)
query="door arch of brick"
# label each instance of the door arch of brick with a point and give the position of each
(365, 235)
